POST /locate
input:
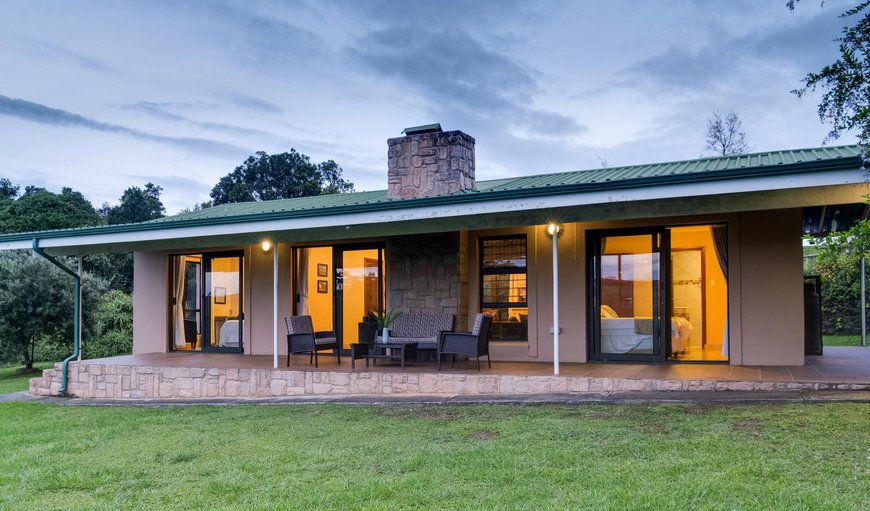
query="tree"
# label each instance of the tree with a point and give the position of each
(39, 210)
(36, 306)
(137, 205)
(725, 135)
(279, 176)
(845, 103)
(7, 190)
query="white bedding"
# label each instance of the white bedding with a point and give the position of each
(229, 337)
(626, 335)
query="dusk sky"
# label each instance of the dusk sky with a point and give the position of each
(100, 96)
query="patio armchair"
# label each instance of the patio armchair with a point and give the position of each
(473, 344)
(301, 338)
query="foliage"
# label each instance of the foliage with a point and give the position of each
(725, 135)
(838, 263)
(601, 457)
(384, 318)
(137, 205)
(8, 191)
(113, 333)
(39, 210)
(279, 176)
(845, 83)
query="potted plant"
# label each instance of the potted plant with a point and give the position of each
(385, 321)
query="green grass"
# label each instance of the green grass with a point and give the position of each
(435, 457)
(841, 340)
(11, 381)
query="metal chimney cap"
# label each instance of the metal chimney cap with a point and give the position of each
(426, 128)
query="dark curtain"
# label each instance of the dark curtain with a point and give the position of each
(720, 242)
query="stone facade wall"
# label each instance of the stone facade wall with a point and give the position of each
(430, 164)
(428, 273)
(106, 381)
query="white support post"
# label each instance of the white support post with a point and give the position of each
(275, 306)
(79, 319)
(556, 302)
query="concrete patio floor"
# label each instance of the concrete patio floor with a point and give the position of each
(840, 364)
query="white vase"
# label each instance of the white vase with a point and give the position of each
(385, 336)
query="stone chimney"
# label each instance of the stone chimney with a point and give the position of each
(428, 161)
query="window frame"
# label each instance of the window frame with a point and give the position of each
(482, 271)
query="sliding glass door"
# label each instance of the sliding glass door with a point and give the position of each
(223, 302)
(659, 294)
(627, 274)
(338, 286)
(207, 302)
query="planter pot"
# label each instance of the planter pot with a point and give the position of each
(385, 336)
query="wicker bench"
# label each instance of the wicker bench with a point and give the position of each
(424, 329)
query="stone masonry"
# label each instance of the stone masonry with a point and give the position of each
(110, 381)
(428, 274)
(427, 164)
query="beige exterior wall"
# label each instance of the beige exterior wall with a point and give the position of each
(764, 292)
(150, 307)
(765, 288)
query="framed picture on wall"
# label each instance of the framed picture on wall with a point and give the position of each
(322, 286)
(220, 295)
(322, 271)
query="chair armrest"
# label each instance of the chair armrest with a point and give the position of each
(325, 333)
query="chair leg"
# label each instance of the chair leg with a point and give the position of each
(478, 364)
(288, 358)
(315, 358)
(488, 361)
(439, 357)
(338, 354)
(452, 361)
(310, 357)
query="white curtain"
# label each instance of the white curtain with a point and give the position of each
(302, 282)
(180, 278)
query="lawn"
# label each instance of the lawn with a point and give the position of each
(841, 340)
(435, 457)
(11, 381)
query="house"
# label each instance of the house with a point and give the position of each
(686, 261)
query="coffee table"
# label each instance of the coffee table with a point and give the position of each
(399, 351)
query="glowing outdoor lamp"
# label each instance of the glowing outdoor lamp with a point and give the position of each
(266, 245)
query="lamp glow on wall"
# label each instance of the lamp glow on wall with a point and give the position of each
(266, 246)
(553, 231)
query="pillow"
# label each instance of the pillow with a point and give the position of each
(607, 312)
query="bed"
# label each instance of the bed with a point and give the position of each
(635, 335)
(229, 337)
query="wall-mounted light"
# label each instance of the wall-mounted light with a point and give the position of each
(266, 245)
(553, 229)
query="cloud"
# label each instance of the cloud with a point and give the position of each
(42, 114)
(454, 70)
(45, 50)
(253, 103)
(763, 53)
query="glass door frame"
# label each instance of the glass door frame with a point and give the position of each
(338, 276)
(661, 307)
(205, 345)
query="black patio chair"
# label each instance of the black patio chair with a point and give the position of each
(472, 344)
(301, 338)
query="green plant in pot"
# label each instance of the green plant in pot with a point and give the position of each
(385, 321)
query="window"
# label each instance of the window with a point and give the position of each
(503, 286)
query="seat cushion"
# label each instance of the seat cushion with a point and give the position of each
(325, 340)
(423, 343)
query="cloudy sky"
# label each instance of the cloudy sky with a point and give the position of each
(100, 96)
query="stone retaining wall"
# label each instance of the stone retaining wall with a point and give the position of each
(137, 382)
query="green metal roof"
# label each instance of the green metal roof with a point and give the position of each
(634, 176)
